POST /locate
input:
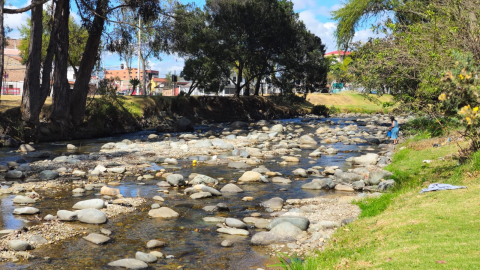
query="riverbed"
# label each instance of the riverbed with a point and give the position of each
(191, 243)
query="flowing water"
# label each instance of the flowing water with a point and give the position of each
(194, 243)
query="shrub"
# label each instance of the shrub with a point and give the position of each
(320, 110)
(387, 104)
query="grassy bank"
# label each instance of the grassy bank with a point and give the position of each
(353, 102)
(407, 230)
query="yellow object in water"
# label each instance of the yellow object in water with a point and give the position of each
(194, 162)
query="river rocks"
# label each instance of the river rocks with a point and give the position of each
(91, 216)
(241, 153)
(344, 188)
(93, 203)
(385, 185)
(97, 238)
(26, 211)
(274, 203)
(376, 177)
(175, 180)
(158, 198)
(250, 176)
(277, 128)
(267, 238)
(350, 177)
(145, 257)
(71, 147)
(238, 165)
(14, 175)
(286, 229)
(211, 190)
(281, 180)
(109, 191)
(305, 139)
(203, 179)
(26, 148)
(235, 223)
(300, 172)
(19, 245)
(163, 212)
(152, 137)
(78, 190)
(323, 183)
(261, 223)
(129, 264)
(23, 199)
(48, 175)
(233, 231)
(65, 215)
(78, 173)
(24, 168)
(200, 195)
(231, 188)
(170, 161)
(368, 159)
(203, 144)
(214, 219)
(49, 217)
(358, 185)
(155, 244)
(301, 222)
(183, 125)
(118, 170)
(37, 240)
(226, 243)
(291, 159)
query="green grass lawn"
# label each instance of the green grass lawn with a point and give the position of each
(407, 230)
(352, 102)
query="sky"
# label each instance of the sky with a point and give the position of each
(314, 13)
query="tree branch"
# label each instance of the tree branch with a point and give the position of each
(21, 10)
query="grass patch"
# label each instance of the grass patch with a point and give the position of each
(351, 102)
(408, 230)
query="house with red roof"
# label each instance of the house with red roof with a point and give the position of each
(339, 55)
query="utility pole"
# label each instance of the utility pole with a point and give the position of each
(139, 51)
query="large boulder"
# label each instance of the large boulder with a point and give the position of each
(235, 223)
(93, 203)
(109, 191)
(91, 216)
(48, 175)
(277, 128)
(274, 203)
(231, 188)
(175, 180)
(184, 125)
(368, 159)
(286, 229)
(129, 264)
(300, 222)
(14, 175)
(320, 183)
(250, 176)
(26, 211)
(385, 185)
(66, 215)
(376, 177)
(203, 179)
(19, 245)
(267, 238)
(305, 139)
(163, 212)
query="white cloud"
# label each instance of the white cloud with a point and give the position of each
(15, 21)
(327, 11)
(303, 4)
(323, 30)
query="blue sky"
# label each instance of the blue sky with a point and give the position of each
(314, 13)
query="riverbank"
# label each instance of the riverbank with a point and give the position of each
(110, 115)
(406, 229)
(232, 191)
(353, 102)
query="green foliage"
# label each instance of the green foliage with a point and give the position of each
(374, 206)
(320, 110)
(288, 99)
(430, 127)
(77, 39)
(387, 104)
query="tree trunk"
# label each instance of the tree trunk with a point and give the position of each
(81, 88)
(144, 81)
(31, 98)
(257, 86)
(61, 88)
(247, 89)
(238, 83)
(2, 44)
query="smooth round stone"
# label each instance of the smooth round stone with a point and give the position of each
(158, 198)
(38, 240)
(155, 244)
(163, 212)
(91, 216)
(93, 203)
(66, 215)
(155, 206)
(22, 199)
(226, 243)
(231, 188)
(105, 231)
(19, 245)
(26, 211)
(129, 264)
(256, 214)
(235, 223)
(97, 238)
(233, 231)
(145, 257)
(157, 254)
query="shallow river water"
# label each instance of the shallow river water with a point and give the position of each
(193, 243)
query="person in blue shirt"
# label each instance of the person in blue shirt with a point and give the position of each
(394, 129)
